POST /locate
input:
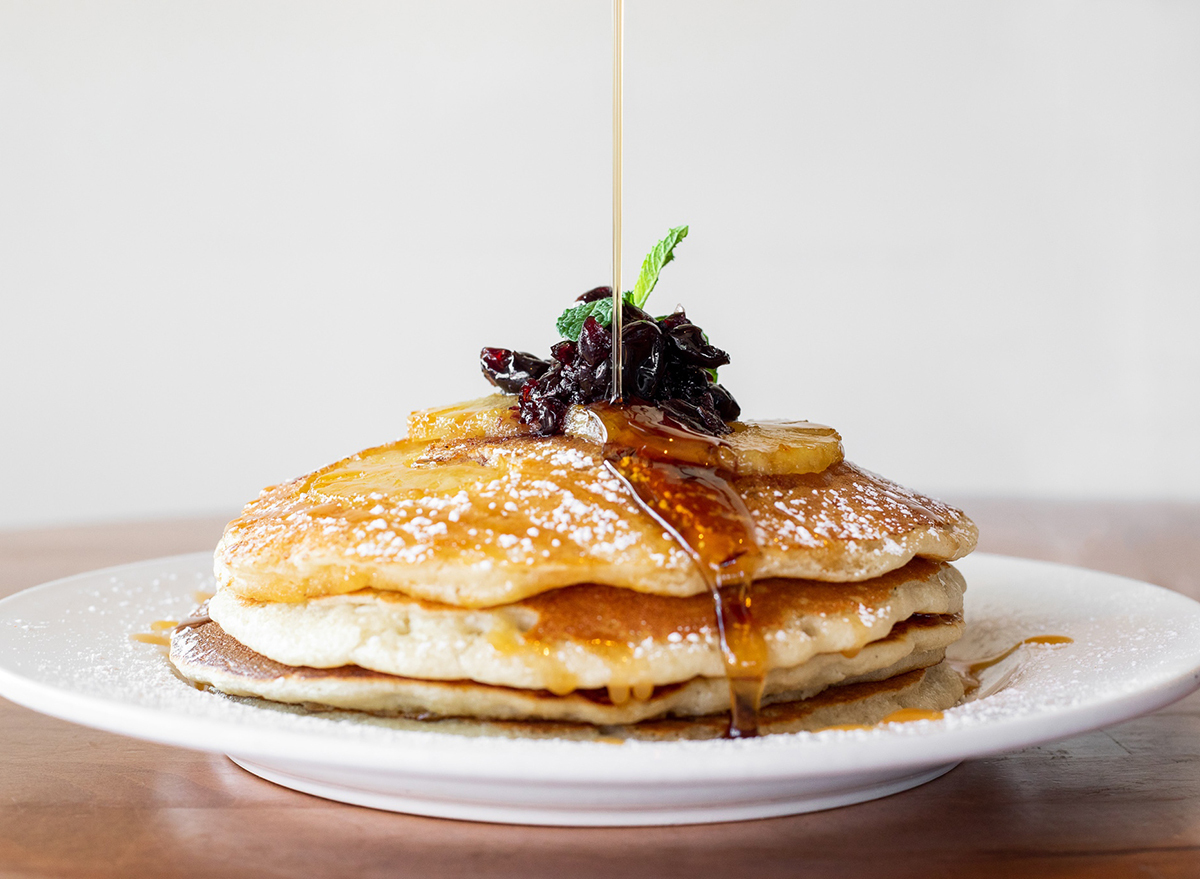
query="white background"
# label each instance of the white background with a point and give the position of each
(241, 239)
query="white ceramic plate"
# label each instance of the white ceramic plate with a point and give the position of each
(65, 649)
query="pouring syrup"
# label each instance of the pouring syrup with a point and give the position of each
(678, 478)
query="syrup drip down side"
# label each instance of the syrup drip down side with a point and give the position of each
(698, 506)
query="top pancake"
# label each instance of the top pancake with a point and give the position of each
(484, 522)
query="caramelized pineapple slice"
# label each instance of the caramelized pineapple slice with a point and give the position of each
(754, 448)
(491, 416)
(773, 448)
(394, 470)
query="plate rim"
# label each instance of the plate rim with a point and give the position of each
(779, 757)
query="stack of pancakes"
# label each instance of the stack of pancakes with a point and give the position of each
(475, 571)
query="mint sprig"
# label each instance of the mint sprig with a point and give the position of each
(570, 322)
(654, 262)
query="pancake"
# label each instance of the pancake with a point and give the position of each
(484, 522)
(626, 575)
(207, 654)
(849, 705)
(921, 691)
(584, 636)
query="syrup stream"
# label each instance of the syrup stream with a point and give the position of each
(695, 504)
(618, 348)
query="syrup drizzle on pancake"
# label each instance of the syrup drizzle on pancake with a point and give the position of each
(903, 715)
(676, 476)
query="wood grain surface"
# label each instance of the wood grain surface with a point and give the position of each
(1124, 801)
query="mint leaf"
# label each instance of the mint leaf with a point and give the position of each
(662, 254)
(570, 322)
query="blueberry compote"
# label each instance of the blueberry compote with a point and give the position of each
(668, 362)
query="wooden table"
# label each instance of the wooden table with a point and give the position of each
(1124, 801)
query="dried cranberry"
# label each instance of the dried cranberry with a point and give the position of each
(644, 357)
(688, 340)
(631, 313)
(594, 294)
(673, 320)
(685, 382)
(563, 352)
(668, 363)
(595, 342)
(510, 370)
(543, 412)
(724, 403)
